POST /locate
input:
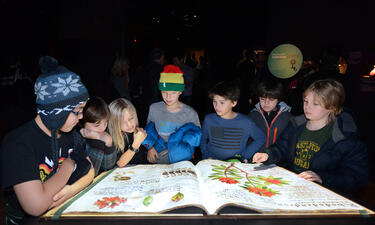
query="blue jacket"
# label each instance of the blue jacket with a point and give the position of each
(342, 161)
(180, 144)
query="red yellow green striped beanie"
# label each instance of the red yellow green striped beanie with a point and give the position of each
(171, 79)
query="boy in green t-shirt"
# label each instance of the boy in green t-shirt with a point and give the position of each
(322, 145)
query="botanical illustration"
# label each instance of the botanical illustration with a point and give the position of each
(177, 197)
(110, 202)
(210, 185)
(255, 184)
(179, 172)
(148, 200)
(123, 176)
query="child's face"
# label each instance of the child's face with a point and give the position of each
(73, 119)
(129, 122)
(171, 97)
(314, 109)
(268, 104)
(223, 107)
(98, 126)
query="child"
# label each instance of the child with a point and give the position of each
(176, 123)
(42, 162)
(323, 144)
(98, 142)
(270, 114)
(227, 133)
(126, 135)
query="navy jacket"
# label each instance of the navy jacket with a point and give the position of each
(342, 161)
(278, 124)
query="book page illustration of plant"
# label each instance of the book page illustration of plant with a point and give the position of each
(148, 200)
(120, 176)
(110, 202)
(177, 197)
(255, 184)
(179, 172)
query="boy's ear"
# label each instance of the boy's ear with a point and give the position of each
(234, 103)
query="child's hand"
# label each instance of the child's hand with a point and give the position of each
(260, 157)
(311, 176)
(64, 194)
(152, 155)
(89, 134)
(139, 136)
(164, 152)
(106, 138)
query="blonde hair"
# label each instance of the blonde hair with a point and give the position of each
(331, 94)
(118, 107)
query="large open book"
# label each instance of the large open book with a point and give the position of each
(211, 185)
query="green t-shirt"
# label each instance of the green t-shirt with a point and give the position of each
(308, 144)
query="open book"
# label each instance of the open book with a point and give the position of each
(210, 185)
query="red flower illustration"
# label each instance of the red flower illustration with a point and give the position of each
(110, 202)
(228, 180)
(273, 181)
(101, 204)
(261, 191)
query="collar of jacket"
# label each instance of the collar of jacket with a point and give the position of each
(343, 123)
(282, 106)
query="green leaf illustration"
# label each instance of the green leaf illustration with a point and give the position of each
(148, 200)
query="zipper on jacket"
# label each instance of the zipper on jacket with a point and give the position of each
(269, 127)
(274, 136)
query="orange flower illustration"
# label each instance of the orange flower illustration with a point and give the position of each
(110, 202)
(273, 181)
(228, 180)
(261, 191)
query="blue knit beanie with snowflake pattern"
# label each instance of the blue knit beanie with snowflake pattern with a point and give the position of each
(58, 91)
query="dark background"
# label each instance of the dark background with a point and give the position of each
(86, 36)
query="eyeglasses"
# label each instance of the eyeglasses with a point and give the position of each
(76, 113)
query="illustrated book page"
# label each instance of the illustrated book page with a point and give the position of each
(265, 189)
(142, 189)
(210, 185)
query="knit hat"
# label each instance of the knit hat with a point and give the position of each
(171, 79)
(58, 92)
